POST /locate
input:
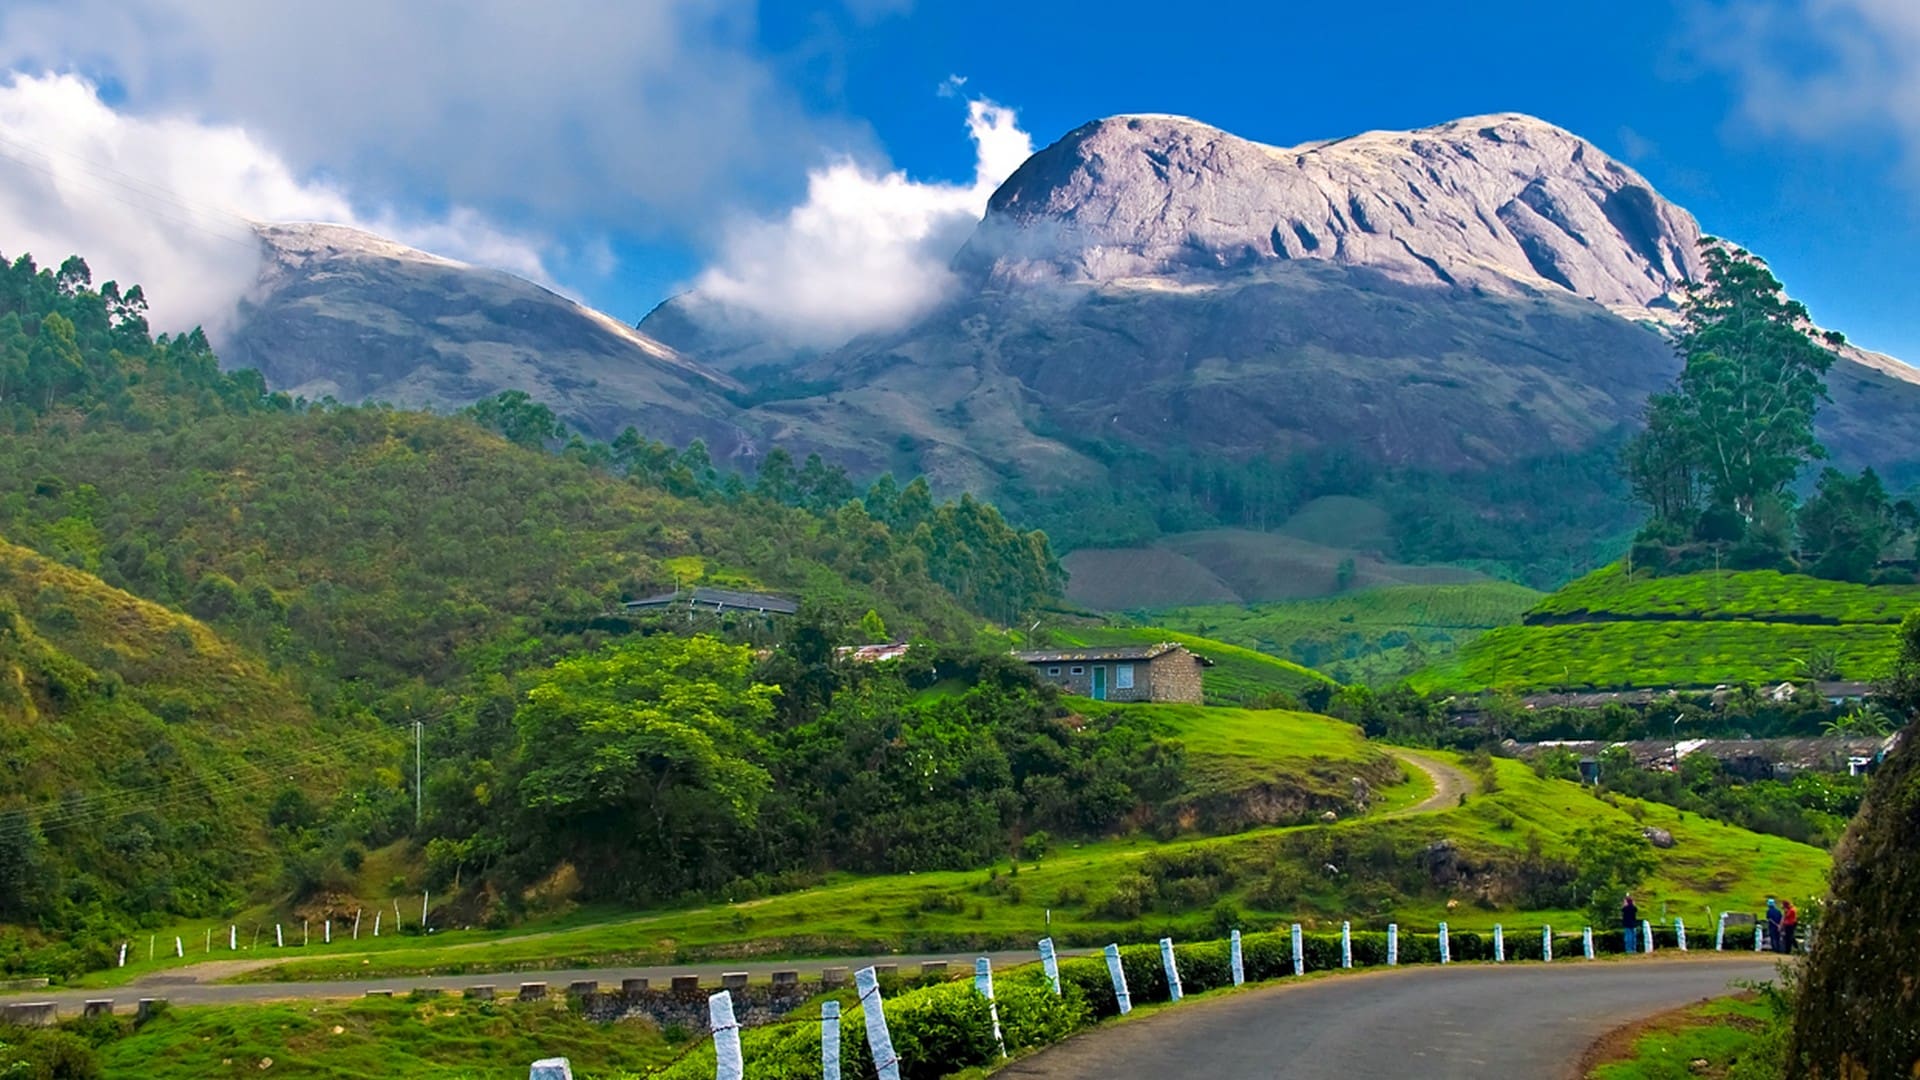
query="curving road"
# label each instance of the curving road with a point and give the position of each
(1438, 1023)
(1449, 783)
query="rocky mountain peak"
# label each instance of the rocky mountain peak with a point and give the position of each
(1505, 201)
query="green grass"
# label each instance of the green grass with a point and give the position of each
(1373, 635)
(1622, 655)
(1712, 867)
(1233, 751)
(1754, 594)
(437, 1037)
(1717, 1032)
(1239, 676)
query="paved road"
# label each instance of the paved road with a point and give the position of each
(1465, 1021)
(185, 990)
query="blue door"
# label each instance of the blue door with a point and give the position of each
(1099, 682)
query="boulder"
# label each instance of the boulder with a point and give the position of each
(1659, 838)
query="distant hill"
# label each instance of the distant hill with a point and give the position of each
(1611, 631)
(143, 758)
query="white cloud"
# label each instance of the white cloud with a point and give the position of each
(1821, 70)
(165, 201)
(867, 250)
(576, 114)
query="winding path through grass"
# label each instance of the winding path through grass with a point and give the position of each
(1449, 783)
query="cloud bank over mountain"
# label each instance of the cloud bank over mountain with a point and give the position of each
(867, 250)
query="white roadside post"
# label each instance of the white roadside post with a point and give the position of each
(1299, 959)
(233, 937)
(1233, 957)
(1680, 932)
(1757, 945)
(356, 924)
(1499, 944)
(376, 923)
(983, 984)
(1050, 963)
(830, 1040)
(1346, 944)
(179, 949)
(1646, 927)
(279, 941)
(1586, 941)
(123, 954)
(209, 940)
(727, 1063)
(1720, 934)
(1393, 944)
(1446, 951)
(1119, 976)
(326, 933)
(879, 1040)
(1173, 970)
(1546, 944)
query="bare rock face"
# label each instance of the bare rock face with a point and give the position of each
(1506, 202)
(343, 313)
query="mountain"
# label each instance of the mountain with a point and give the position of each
(343, 313)
(1165, 327)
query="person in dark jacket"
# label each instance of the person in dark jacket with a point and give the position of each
(1774, 918)
(1630, 923)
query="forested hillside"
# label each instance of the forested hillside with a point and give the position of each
(147, 768)
(313, 577)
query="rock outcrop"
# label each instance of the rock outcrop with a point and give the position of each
(344, 313)
(1504, 202)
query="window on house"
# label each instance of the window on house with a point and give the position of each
(1123, 676)
(1054, 670)
(1078, 671)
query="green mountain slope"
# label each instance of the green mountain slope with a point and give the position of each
(140, 757)
(1612, 631)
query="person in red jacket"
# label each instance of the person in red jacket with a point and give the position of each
(1789, 928)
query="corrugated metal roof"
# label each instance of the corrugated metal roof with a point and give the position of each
(719, 600)
(1110, 652)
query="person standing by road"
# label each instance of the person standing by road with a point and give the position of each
(1789, 927)
(1629, 923)
(1774, 918)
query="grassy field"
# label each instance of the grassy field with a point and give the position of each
(1372, 635)
(1239, 676)
(1759, 595)
(1233, 752)
(439, 1037)
(1716, 1032)
(1622, 655)
(1262, 878)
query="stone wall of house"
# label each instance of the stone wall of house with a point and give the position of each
(1174, 676)
(1081, 685)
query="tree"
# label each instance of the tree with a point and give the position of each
(520, 419)
(1738, 422)
(639, 761)
(1846, 525)
(872, 627)
(1610, 861)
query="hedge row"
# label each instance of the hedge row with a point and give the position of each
(944, 1028)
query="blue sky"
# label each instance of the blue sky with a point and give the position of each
(622, 150)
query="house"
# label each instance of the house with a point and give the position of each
(1163, 672)
(873, 654)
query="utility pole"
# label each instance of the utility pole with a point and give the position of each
(416, 775)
